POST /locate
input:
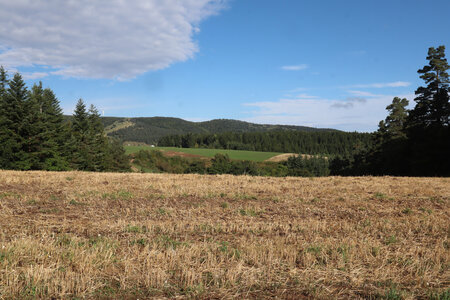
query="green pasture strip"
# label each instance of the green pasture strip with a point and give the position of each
(233, 154)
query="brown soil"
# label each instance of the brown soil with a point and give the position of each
(285, 156)
(182, 154)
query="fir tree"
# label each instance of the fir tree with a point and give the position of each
(6, 151)
(79, 142)
(45, 142)
(98, 142)
(119, 161)
(15, 126)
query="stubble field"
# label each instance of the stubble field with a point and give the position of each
(102, 235)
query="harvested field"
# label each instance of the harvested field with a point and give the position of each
(104, 235)
(285, 156)
(282, 157)
(182, 154)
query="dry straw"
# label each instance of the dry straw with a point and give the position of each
(99, 235)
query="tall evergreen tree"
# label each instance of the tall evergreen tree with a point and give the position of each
(6, 152)
(56, 134)
(98, 142)
(394, 125)
(433, 108)
(79, 143)
(428, 123)
(389, 155)
(16, 128)
(45, 140)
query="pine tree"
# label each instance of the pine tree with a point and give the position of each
(428, 123)
(396, 120)
(433, 108)
(389, 154)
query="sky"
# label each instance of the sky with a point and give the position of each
(327, 64)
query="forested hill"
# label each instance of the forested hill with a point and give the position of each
(150, 130)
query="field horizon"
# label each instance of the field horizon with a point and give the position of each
(257, 156)
(128, 235)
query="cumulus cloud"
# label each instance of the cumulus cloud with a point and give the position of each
(358, 114)
(113, 39)
(294, 67)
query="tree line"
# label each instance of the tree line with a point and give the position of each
(34, 136)
(154, 161)
(315, 142)
(411, 142)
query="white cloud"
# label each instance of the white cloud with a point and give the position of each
(34, 75)
(363, 94)
(355, 113)
(349, 102)
(294, 68)
(382, 85)
(100, 39)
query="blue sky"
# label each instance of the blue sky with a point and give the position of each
(334, 64)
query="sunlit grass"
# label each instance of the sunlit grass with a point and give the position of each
(233, 154)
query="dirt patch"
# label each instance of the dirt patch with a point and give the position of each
(281, 157)
(285, 156)
(182, 154)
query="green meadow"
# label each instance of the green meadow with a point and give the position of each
(233, 154)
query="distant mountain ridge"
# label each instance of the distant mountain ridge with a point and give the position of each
(150, 129)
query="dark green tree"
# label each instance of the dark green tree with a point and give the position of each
(45, 143)
(428, 123)
(99, 159)
(79, 141)
(432, 108)
(389, 155)
(6, 151)
(16, 128)
(118, 160)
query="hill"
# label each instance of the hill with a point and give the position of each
(150, 129)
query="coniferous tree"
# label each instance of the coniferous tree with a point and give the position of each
(79, 141)
(16, 127)
(6, 151)
(45, 141)
(118, 160)
(98, 142)
(35, 124)
(432, 108)
(56, 139)
(428, 123)
(389, 155)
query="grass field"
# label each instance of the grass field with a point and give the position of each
(108, 236)
(233, 154)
